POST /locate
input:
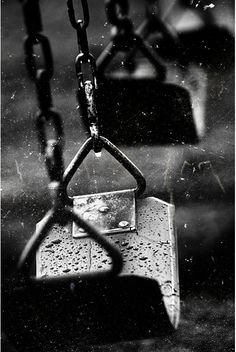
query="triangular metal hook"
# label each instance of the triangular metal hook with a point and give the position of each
(115, 152)
(66, 215)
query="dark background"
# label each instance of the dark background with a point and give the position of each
(204, 199)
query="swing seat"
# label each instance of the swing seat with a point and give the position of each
(213, 46)
(145, 111)
(142, 302)
(143, 230)
(136, 107)
(94, 287)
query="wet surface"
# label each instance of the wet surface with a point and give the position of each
(198, 178)
(149, 252)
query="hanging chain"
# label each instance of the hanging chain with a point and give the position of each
(86, 85)
(122, 27)
(52, 149)
(124, 38)
(41, 76)
(80, 25)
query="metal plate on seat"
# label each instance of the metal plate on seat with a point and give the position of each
(148, 252)
(111, 212)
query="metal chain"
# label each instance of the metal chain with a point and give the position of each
(122, 30)
(41, 76)
(52, 149)
(80, 25)
(62, 213)
(86, 87)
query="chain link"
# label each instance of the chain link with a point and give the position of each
(80, 25)
(32, 16)
(86, 87)
(122, 28)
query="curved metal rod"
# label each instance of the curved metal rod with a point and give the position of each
(112, 48)
(150, 25)
(67, 215)
(115, 152)
(147, 52)
(127, 163)
(106, 57)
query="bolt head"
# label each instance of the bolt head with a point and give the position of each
(123, 224)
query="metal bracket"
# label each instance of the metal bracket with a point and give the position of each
(111, 212)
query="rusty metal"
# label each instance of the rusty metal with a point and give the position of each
(87, 98)
(86, 85)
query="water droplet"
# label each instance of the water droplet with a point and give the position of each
(56, 241)
(143, 258)
(49, 245)
(66, 270)
(104, 209)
